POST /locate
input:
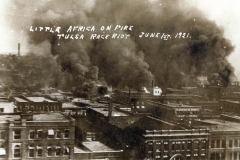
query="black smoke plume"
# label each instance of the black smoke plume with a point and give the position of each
(135, 61)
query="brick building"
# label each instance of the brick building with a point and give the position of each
(42, 136)
(177, 113)
(146, 137)
(36, 103)
(224, 142)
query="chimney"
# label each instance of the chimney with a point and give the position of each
(18, 49)
(152, 90)
(109, 110)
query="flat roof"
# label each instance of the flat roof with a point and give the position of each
(104, 111)
(5, 118)
(49, 117)
(231, 101)
(39, 99)
(69, 105)
(37, 117)
(93, 146)
(124, 121)
(55, 94)
(6, 103)
(176, 105)
(215, 125)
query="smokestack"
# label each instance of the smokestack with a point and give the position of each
(18, 49)
(152, 83)
(109, 110)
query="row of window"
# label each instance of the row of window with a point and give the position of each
(234, 155)
(41, 108)
(178, 145)
(38, 151)
(38, 134)
(217, 156)
(51, 151)
(222, 143)
(196, 155)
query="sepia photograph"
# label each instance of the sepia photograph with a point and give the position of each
(119, 80)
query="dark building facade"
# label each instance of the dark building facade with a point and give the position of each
(177, 144)
(42, 136)
(36, 104)
(224, 142)
(146, 137)
(177, 113)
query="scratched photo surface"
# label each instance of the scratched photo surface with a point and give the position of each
(130, 79)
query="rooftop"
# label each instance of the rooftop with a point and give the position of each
(69, 105)
(93, 146)
(6, 118)
(231, 101)
(176, 105)
(215, 125)
(38, 117)
(104, 111)
(49, 117)
(39, 99)
(20, 99)
(33, 99)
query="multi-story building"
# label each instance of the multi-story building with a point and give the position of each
(177, 113)
(231, 92)
(42, 136)
(138, 99)
(230, 106)
(146, 137)
(177, 144)
(224, 142)
(36, 103)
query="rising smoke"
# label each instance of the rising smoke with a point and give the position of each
(135, 61)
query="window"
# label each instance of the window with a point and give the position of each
(223, 143)
(17, 151)
(189, 145)
(17, 134)
(39, 133)
(50, 151)
(31, 134)
(58, 150)
(165, 145)
(177, 146)
(1, 110)
(2, 144)
(204, 145)
(58, 134)
(66, 133)
(183, 146)
(195, 145)
(66, 151)
(219, 145)
(39, 151)
(31, 152)
(230, 143)
(2, 134)
(50, 133)
(236, 144)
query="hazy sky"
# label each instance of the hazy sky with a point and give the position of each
(224, 12)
